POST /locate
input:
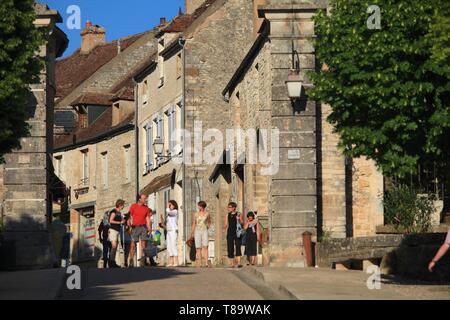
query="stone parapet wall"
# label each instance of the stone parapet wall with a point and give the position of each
(404, 255)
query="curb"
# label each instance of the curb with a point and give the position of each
(283, 290)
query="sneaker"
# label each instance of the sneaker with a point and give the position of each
(142, 262)
(113, 264)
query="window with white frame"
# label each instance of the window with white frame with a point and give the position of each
(158, 122)
(58, 166)
(105, 170)
(127, 162)
(171, 123)
(161, 63)
(85, 168)
(148, 129)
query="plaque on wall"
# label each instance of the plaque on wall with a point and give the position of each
(293, 154)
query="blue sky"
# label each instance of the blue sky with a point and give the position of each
(119, 17)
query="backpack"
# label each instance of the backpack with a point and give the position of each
(240, 231)
(106, 216)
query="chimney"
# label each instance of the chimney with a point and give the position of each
(162, 21)
(191, 5)
(91, 37)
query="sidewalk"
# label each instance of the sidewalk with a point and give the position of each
(328, 284)
(32, 284)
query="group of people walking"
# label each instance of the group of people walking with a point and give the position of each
(136, 227)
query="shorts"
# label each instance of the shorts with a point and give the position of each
(113, 235)
(139, 233)
(201, 238)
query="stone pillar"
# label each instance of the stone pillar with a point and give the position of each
(27, 198)
(294, 195)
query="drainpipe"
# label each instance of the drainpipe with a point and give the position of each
(182, 43)
(136, 137)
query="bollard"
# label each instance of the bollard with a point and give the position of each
(307, 248)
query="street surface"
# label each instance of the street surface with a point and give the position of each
(214, 284)
(166, 284)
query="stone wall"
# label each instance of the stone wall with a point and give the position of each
(367, 193)
(118, 186)
(404, 255)
(333, 178)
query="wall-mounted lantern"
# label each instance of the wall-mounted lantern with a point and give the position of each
(158, 147)
(294, 82)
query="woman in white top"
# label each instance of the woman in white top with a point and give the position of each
(172, 233)
(200, 225)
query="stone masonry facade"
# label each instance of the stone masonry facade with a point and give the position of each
(215, 46)
(318, 189)
(27, 174)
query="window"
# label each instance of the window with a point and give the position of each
(144, 92)
(105, 170)
(161, 63)
(58, 166)
(148, 148)
(85, 169)
(179, 66)
(171, 121)
(127, 162)
(159, 122)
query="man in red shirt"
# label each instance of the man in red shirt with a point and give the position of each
(140, 222)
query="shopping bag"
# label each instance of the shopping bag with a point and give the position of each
(151, 250)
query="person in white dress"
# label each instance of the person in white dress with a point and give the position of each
(172, 233)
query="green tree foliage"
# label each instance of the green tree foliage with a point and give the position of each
(388, 88)
(19, 67)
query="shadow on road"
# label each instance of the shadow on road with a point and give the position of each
(106, 284)
(397, 280)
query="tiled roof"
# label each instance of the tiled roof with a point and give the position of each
(100, 127)
(182, 22)
(72, 71)
(126, 93)
(93, 98)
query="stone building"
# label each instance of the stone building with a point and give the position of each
(159, 87)
(198, 52)
(315, 188)
(94, 150)
(96, 163)
(28, 184)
